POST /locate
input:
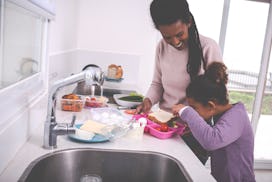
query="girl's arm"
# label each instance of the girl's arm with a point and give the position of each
(212, 138)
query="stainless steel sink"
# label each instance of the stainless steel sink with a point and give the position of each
(111, 165)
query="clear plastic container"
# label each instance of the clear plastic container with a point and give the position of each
(117, 124)
(109, 116)
(96, 101)
(74, 105)
(136, 132)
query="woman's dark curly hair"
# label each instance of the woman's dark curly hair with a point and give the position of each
(167, 12)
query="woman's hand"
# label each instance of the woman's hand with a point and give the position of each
(144, 107)
(176, 109)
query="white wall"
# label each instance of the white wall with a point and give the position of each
(63, 39)
(63, 30)
(121, 27)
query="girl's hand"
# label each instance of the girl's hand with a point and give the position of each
(177, 108)
(144, 107)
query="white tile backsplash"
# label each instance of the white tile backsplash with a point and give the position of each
(71, 62)
(129, 63)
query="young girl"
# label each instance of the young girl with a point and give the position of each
(230, 140)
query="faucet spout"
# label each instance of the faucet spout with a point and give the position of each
(51, 128)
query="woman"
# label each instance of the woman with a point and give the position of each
(181, 55)
(230, 140)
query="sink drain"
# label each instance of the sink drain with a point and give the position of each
(90, 178)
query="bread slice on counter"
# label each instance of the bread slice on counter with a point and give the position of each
(93, 126)
(160, 116)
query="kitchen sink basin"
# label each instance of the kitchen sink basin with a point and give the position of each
(72, 165)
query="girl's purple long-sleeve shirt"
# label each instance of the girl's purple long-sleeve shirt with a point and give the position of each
(230, 142)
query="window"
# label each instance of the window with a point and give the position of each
(22, 35)
(242, 38)
(243, 53)
(263, 150)
(23, 67)
(208, 21)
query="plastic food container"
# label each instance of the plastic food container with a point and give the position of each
(151, 128)
(136, 132)
(96, 101)
(74, 105)
(109, 116)
(117, 124)
(160, 134)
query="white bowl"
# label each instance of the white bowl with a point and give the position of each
(124, 103)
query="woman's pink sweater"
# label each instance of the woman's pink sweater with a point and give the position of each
(170, 78)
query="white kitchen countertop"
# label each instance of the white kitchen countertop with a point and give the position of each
(174, 147)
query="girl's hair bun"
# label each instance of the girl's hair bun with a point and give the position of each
(217, 72)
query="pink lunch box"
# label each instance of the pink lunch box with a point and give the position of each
(151, 128)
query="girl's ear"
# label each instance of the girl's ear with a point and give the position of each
(211, 106)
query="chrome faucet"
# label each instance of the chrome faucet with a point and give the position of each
(51, 127)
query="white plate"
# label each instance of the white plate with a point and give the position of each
(124, 103)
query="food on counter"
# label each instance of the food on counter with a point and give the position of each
(96, 101)
(115, 71)
(173, 123)
(161, 131)
(132, 98)
(71, 102)
(162, 127)
(135, 94)
(93, 126)
(160, 116)
(84, 135)
(130, 111)
(71, 96)
(128, 100)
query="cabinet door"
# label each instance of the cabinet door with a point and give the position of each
(22, 43)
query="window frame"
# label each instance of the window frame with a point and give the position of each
(264, 66)
(21, 95)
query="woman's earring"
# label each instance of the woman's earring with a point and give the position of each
(212, 121)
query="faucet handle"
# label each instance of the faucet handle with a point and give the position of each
(99, 77)
(73, 120)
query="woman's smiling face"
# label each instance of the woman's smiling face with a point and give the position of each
(175, 34)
